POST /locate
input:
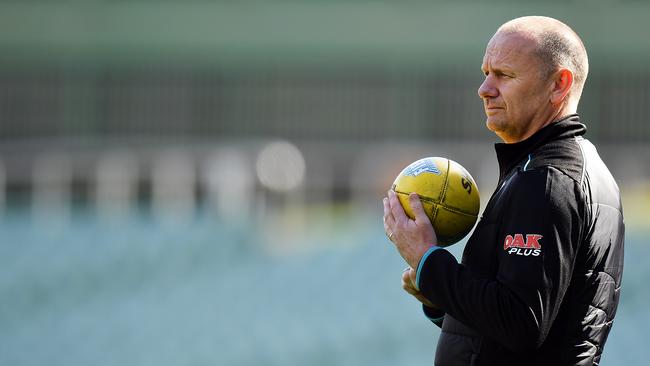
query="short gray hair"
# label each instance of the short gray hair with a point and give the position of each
(557, 46)
(556, 50)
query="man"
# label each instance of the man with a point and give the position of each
(540, 276)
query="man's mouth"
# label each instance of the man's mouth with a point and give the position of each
(492, 109)
(487, 107)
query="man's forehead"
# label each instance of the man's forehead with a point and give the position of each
(509, 48)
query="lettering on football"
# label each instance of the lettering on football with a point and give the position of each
(467, 185)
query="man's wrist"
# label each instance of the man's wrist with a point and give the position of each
(415, 260)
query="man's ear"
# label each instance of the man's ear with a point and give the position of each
(562, 83)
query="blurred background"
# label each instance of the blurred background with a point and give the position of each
(200, 182)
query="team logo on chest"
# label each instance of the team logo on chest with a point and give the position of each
(516, 244)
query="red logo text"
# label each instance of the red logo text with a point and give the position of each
(516, 244)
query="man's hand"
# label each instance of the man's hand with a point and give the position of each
(408, 284)
(412, 238)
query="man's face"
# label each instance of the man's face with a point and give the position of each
(515, 97)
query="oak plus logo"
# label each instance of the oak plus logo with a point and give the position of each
(516, 244)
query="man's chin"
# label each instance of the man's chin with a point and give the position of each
(493, 124)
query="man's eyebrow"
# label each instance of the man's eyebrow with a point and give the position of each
(500, 70)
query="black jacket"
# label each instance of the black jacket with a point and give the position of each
(540, 276)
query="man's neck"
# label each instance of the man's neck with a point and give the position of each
(554, 116)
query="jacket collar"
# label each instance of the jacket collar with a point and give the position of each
(509, 155)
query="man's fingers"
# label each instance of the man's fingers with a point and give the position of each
(409, 289)
(406, 278)
(412, 274)
(424, 300)
(388, 215)
(408, 282)
(389, 221)
(418, 210)
(396, 208)
(407, 285)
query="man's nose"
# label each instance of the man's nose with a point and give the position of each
(487, 89)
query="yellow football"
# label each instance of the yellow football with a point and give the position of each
(448, 193)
